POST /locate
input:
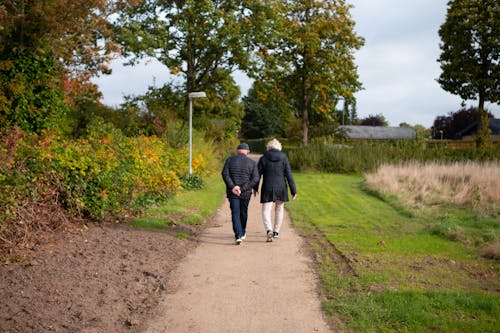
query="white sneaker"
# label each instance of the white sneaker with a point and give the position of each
(238, 241)
(244, 236)
(269, 236)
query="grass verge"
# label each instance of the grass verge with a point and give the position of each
(188, 207)
(385, 269)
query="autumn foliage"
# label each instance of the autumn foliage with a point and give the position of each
(49, 51)
(46, 180)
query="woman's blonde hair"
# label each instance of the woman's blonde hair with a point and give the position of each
(273, 144)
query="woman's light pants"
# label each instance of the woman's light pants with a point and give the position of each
(267, 208)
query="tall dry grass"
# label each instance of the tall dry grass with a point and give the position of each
(473, 185)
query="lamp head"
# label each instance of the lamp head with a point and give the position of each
(197, 94)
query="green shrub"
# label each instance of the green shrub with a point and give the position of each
(105, 173)
(364, 156)
(257, 146)
(31, 95)
(191, 182)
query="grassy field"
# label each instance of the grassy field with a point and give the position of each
(188, 207)
(472, 185)
(385, 269)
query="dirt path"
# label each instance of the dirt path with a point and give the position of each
(109, 277)
(254, 287)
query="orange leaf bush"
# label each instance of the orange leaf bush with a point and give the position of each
(104, 173)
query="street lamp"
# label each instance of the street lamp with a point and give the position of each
(193, 95)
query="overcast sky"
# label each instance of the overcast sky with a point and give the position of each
(397, 65)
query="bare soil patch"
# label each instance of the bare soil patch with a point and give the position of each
(104, 278)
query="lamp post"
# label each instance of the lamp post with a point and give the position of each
(192, 96)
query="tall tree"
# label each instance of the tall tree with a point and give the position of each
(264, 116)
(374, 120)
(77, 33)
(47, 48)
(315, 54)
(454, 124)
(202, 42)
(354, 113)
(470, 58)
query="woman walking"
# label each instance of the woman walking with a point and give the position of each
(276, 173)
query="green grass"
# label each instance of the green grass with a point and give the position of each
(408, 272)
(188, 207)
(182, 235)
(466, 227)
(415, 311)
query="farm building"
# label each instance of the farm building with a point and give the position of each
(378, 132)
(469, 132)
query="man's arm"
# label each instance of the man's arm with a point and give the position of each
(226, 176)
(255, 178)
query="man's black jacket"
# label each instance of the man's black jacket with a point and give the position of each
(240, 170)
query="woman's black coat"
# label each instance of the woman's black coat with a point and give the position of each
(276, 172)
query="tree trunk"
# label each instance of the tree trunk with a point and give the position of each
(305, 115)
(483, 132)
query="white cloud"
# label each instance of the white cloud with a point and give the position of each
(128, 80)
(397, 66)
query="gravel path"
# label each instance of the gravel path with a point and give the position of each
(254, 287)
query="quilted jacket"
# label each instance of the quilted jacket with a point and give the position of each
(276, 172)
(242, 171)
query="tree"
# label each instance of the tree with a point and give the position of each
(470, 57)
(262, 116)
(315, 57)
(202, 42)
(49, 50)
(421, 132)
(354, 113)
(452, 126)
(374, 120)
(442, 128)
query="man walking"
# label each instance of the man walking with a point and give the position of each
(240, 174)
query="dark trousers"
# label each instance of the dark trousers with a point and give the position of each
(239, 215)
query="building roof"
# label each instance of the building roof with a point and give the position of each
(378, 132)
(494, 125)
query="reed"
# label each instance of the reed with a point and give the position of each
(468, 184)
